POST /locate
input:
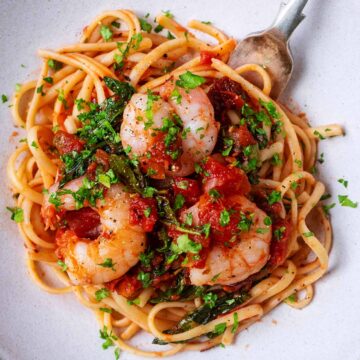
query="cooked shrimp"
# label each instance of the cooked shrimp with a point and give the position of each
(49, 211)
(200, 129)
(118, 243)
(230, 265)
(135, 134)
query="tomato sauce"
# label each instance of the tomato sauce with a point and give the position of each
(143, 212)
(224, 178)
(65, 142)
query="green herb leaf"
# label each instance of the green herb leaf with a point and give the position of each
(17, 214)
(275, 196)
(102, 294)
(179, 202)
(108, 263)
(106, 33)
(145, 278)
(236, 323)
(54, 64)
(189, 80)
(308, 234)
(327, 208)
(168, 14)
(4, 98)
(224, 218)
(345, 201)
(210, 299)
(63, 266)
(343, 182)
(184, 244)
(145, 26)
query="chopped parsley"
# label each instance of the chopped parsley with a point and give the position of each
(185, 244)
(158, 28)
(168, 14)
(179, 202)
(343, 182)
(108, 263)
(245, 222)
(189, 80)
(308, 234)
(175, 95)
(224, 218)
(4, 98)
(279, 232)
(214, 194)
(291, 298)
(147, 212)
(102, 294)
(267, 221)
(220, 328)
(327, 208)
(145, 26)
(107, 310)
(274, 197)
(321, 137)
(34, 144)
(17, 214)
(106, 33)
(145, 279)
(170, 36)
(54, 64)
(228, 143)
(39, 90)
(63, 266)
(151, 98)
(236, 323)
(207, 22)
(345, 201)
(276, 161)
(48, 79)
(271, 109)
(210, 299)
(149, 192)
(108, 337)
(189, 219)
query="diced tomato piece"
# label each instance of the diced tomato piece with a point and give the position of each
(210, 211)
(84, 222)
(65, 142)
(206, 56)
(143, 212)
(226, 94)
(128, 286)
(188, 188)
(242, 136)
(224, 178)
(279, 245)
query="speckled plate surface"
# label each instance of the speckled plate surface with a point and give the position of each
(326, 47)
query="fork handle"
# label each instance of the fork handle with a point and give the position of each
(289, 17)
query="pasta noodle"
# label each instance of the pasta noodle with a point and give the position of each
(148, 65)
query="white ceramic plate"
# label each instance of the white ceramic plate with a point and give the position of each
(36, 325)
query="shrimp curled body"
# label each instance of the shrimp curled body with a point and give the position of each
(118, 241)
(200, 130)
(231, 265)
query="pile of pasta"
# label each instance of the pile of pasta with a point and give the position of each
(150, 59)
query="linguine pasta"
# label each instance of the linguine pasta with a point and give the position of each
(116, 46)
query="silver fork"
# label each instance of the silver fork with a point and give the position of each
(270, 48)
